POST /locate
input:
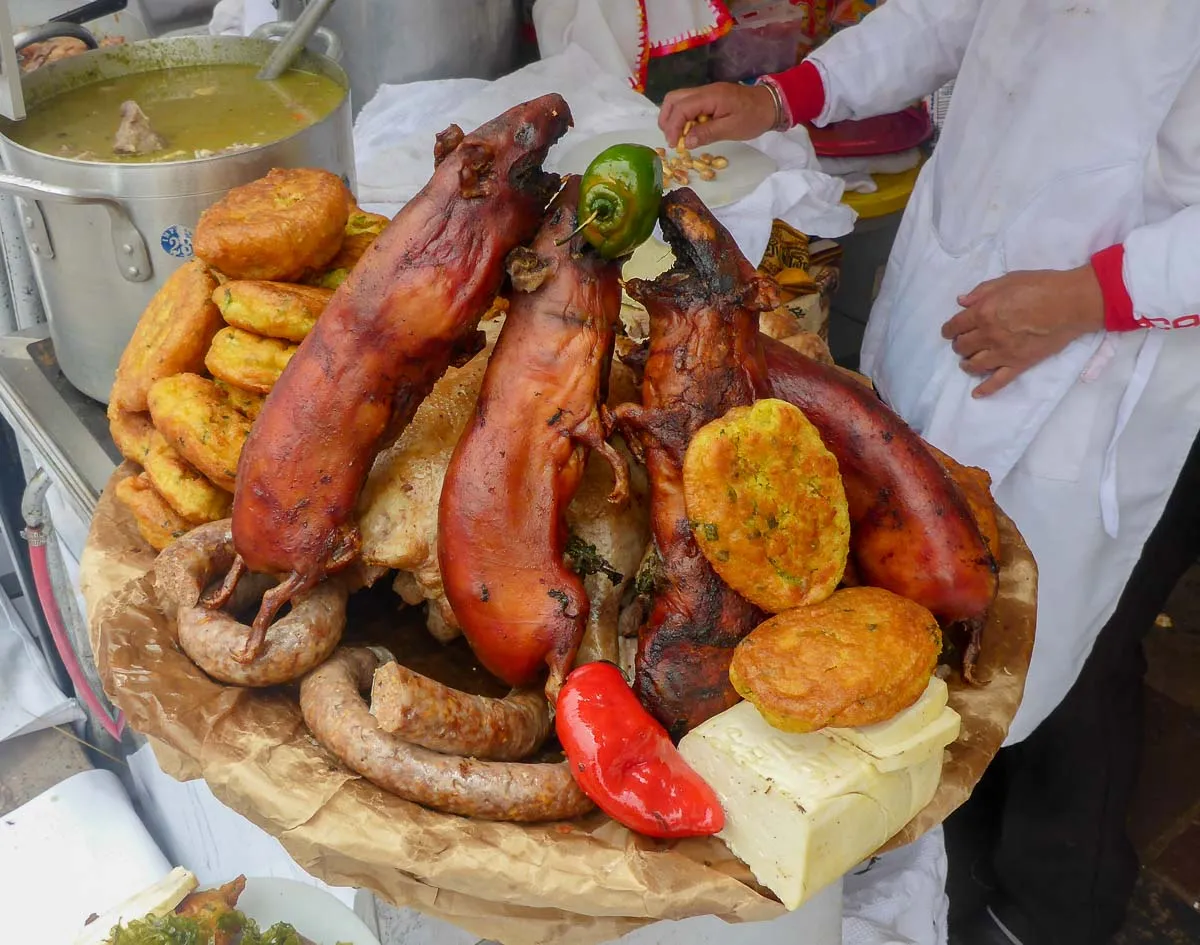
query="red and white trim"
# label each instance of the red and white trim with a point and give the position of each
(642, 61)
(722, 23)
(1119, 313)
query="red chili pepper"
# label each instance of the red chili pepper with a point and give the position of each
(624, 760)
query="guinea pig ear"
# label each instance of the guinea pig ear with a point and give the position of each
(527, 269)
(446, 144)
(475, 177)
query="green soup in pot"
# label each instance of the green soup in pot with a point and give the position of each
(195, 111)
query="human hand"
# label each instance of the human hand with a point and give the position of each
(734, 113)
(1009, 324)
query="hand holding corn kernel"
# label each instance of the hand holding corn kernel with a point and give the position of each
(678, 168)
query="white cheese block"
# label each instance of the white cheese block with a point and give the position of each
(802, 810)
(909, 737)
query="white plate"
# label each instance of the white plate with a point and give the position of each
(748, 167)
(312, 912)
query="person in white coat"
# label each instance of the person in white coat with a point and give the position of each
(1037, 319)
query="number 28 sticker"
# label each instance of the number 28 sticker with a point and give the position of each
(176, 240)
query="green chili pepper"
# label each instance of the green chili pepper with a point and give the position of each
(619, 198)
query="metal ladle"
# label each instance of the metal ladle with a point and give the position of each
(294, 40)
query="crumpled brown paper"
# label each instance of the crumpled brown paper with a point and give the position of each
(577, 883)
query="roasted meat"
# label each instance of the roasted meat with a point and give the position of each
(502, 529)
(704, 358)
(912, 530)
(406, 312)
(134, 134)
(398, 509)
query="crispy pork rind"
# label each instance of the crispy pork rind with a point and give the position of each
(247, 360)
(183, 487)
(278, 227)
(767, 506)
(271, 309)
(976, 485)
(858, 658)
(198, 419)
(157, 522)
(171, 336)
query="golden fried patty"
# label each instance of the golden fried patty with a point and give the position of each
(171, 336)
(858, 658)
(271, 309)
(157, 522)
(767, 505)
(248, 361)
(201, 422)
(184, 487)
(247, 403)
(361, 231)
(130, 432)
(278, 227)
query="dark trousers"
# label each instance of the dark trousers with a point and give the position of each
(1043, 839)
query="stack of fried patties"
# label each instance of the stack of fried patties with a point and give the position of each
(215, 338)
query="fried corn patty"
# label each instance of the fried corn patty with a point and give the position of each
(130, 432)
(183, 487)
(171, 336)
(200, 421)
(157, 522)
(361, 230)
(855, 659)
(278, 227)
(271, 309)
(247, 403)
(248, 361)
(767, 505)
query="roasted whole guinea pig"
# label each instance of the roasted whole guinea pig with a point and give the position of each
(388, 333)
(502, 528)
(705, 357)
(912, 530)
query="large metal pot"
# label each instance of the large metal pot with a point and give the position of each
(104, 237)
(415, 40)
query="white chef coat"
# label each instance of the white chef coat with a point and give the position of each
(1073, 126)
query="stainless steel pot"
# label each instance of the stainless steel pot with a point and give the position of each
(396, 42)
(104, 237)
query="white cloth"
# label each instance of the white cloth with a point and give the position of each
(1047, 155)
(857, 172)
(620, 35)
(75, 849)
(393, 143)
(900, 898)
(30, 699)
(241, 17)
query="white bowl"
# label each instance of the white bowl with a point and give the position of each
(313, 912)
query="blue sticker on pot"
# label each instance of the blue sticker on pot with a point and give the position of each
(176, 240)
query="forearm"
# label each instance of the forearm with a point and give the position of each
(902, 52)
(1152, 280)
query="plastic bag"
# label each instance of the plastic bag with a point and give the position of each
(768, 37)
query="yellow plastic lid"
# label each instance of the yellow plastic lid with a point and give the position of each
(891, 197)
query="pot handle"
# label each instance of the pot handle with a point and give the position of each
(129, 249)
(276, 31)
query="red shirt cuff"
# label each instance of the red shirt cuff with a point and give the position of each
(1109, 266)
(803, 91)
